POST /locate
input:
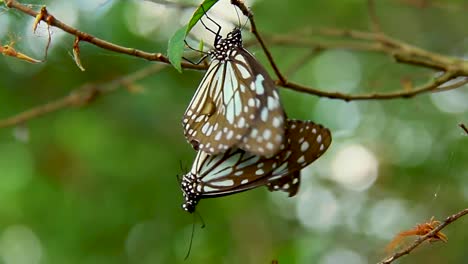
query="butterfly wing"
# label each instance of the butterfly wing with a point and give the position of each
(288, 183)
(307, 142)
(209, 121)
(237, 171)
(236, 105)
(268, 121)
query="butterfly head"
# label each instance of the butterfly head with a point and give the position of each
(235, 35)
(189, 187)
(224, 45)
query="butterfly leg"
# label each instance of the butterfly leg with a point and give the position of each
(198, 62)
(217, 34)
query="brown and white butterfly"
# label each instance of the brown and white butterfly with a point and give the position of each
(236, 104)
(237, 170)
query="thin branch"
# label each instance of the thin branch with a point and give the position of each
(249, 14)
(464, 128)
(301, 42)
(374, 20)
(449, 87)
(429, 86)
(421, 239)
(80, 97)
(173, 4)
(52, 21)
(402, 51)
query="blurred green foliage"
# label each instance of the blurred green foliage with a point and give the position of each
(97, 184)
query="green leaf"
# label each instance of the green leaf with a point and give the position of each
(176, 44)
(201, 44)
(175, 48)
(201, 10)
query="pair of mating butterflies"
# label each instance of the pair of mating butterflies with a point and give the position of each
(236, 122)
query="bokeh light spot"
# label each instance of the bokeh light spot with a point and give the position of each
(5, 22)
(339, 256)
(354, 167)
(16, 164)
(317, 209)
(338, 70)
(20, 245)
(386, 218)
(452, 102)
(342, 119)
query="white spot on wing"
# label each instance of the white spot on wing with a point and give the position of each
(205, 128)
(301, 159)
(244, 72)
(319, 138)
(229, 134)
(304, 146)
(259, 84)
(276, 122)
(241, 122)
(208, 189)
(264, 114)
(272, 103)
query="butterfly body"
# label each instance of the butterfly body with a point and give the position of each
(236, 104)
(237, 170)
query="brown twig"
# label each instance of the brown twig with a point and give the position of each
(421, 239)
(429, 86)
(253, 29)
(452, 86)
(464, 128)
(79, 97)
(173, 4)
(51, 20)
(373, 18)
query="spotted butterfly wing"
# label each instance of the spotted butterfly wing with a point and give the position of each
(235, 105)
(288, 183)
(236, 170)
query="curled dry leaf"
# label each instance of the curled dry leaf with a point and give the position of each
(8, 50)
(76, 53)
(418, 230)
(40, 16)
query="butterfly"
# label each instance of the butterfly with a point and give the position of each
(237, 170)
(236, 104)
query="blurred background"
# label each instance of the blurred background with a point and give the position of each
(98, 184)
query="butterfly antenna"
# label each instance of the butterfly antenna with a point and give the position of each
(201, 219)
(245, 23)
(183, 169)
(193, 232)
(238, 18)
(191, 239)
